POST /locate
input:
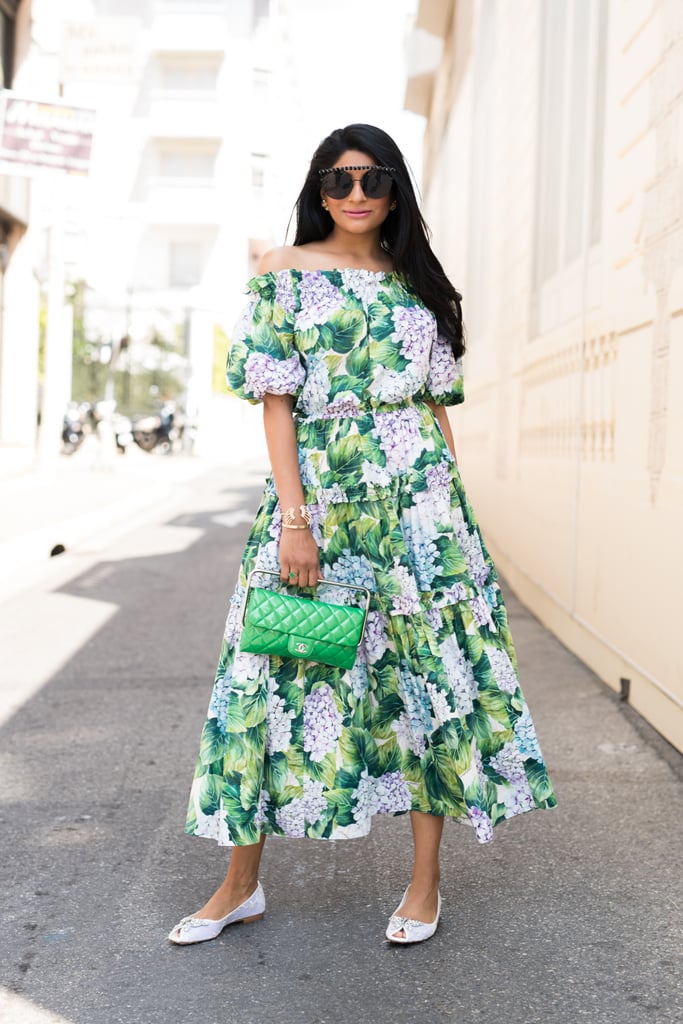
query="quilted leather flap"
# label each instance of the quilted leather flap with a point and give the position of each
(319, 620)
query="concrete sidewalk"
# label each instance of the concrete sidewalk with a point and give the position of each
(84, 498)
(570, 916)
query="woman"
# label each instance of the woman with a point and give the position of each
(352, 340)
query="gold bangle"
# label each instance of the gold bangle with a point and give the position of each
(293, 526)
(289, 514)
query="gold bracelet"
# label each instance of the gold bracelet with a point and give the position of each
(288, 515)
(293, 526)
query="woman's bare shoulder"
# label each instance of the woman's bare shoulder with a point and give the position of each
(277, 259)
(308, 256)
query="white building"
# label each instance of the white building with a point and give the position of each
(163, 228)
(554, 175)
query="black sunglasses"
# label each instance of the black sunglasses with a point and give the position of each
(337, 183)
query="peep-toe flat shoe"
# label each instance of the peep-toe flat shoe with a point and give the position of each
(413, 931)
(201, 929)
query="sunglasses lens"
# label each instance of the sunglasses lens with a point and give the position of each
(376, 183)
(337, 184)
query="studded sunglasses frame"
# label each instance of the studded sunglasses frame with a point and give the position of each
(337, 183)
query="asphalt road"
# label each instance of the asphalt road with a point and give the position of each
(569, 916)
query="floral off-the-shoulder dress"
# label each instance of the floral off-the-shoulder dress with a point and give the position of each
(431, 717)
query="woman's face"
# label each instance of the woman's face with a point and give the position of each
(357, 213)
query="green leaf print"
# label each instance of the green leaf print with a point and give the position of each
(250, 790)
(494, 703)
(323, 827)
(441, 782)
(347, 328)
(497, 812)
(387, 353)
(382, 322)
(412, 767)
(478, 722)
(210, 789)
(388, 711)
(389, 755)
(322, 771)
(275, 772)
(451, 559)
(539, 781)
(345, 456)
(236, 719)
(359, 749)
(357, 363)
(212, 743)
(254, 707)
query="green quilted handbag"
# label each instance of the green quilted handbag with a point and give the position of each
(301, 627)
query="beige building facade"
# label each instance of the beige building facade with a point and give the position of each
(554, 188)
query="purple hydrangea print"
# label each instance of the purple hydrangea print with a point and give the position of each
(316, 390)
(460, 674)
(415, 328)
(265, 375)
(387, 794)
(375, 640)
(400, 438)
(392, 793)
(290, 818)
(444, 371)
(407, 737)
(314, 802)
(322, 723)
(318, 298)
(261, 814)
(509, 763)
(278, 720)
(441, 709)
(284, 291)
(363, 283)
(503, 671)
(342, 407)
(407, 602)
(483, 826)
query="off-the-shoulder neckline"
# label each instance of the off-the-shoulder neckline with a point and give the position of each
(329, 270)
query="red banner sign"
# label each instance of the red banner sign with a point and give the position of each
(45, 135)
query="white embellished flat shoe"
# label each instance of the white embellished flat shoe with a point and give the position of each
(413, 931)
(201, 929)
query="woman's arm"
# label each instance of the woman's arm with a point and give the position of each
(298, 550)
(443, 421)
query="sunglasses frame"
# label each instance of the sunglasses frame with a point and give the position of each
(363, 181)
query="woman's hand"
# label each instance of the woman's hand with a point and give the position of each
(299, 555)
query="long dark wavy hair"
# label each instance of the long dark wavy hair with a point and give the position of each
(405, 235)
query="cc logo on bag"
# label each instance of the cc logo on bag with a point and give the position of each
(301, 648)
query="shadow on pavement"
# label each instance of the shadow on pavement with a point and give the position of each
(565, 917)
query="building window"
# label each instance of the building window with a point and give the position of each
(189, 77)
(184, 264)
(187, 163)
(571, 121)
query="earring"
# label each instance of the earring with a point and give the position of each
(324, 204)
(393, 205)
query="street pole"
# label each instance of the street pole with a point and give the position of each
(58, 341)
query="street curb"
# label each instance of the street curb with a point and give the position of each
(35, 547)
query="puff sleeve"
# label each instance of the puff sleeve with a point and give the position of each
(262, 358)
(444, 384)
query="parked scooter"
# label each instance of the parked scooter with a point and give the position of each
(161, 431)
(77, 423)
